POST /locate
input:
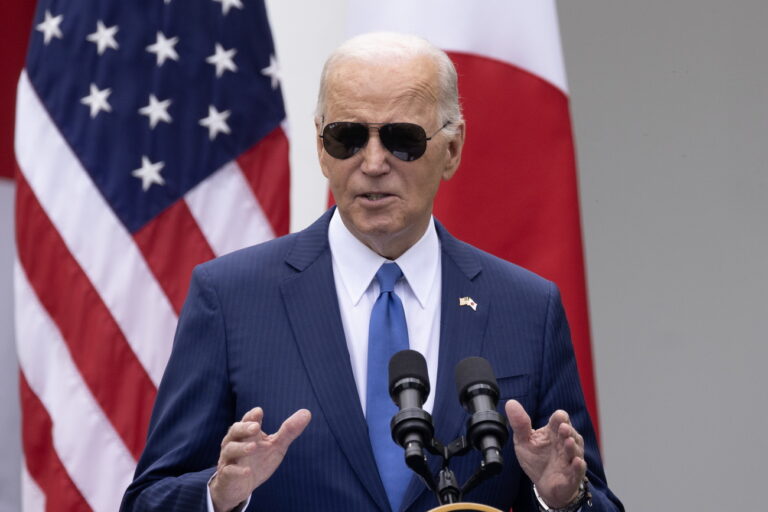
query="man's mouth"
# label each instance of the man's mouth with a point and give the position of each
(376, 196)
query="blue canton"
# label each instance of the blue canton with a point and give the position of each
(154, 96)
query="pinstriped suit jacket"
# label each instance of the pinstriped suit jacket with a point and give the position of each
(261, 326)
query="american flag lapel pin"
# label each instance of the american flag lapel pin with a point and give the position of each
(467, 301)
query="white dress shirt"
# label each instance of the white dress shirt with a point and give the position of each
(354, 272)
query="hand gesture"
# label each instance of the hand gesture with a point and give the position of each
(249, 456)
(552, 456)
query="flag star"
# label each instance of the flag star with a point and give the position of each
(164, 48)
(223, 60)
(149, 173)
(50, 27)
(216, 122)
(272, 71)
(104, 37)
(97, 100)
(156, 111)
(226, 5)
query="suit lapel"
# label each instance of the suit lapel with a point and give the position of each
(461, 335)
(312, 305)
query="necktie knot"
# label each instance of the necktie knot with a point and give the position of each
(387, 276)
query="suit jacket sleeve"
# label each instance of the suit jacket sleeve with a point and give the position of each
(193, 410)
(560, 388)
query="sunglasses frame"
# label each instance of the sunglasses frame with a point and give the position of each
(379, 126)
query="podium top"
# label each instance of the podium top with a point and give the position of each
(464, 507)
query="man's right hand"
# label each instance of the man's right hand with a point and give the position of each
(249, 456)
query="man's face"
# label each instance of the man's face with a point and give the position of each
(386, 202)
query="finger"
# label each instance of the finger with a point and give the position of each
(241, 431)
(256, 414)
(577, 469)
(232, 452)
(559, 417)
(580, 466)
(518, 420)
(292, 427)
(566, 430)
(571, 450)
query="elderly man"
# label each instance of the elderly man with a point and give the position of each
(302, 328)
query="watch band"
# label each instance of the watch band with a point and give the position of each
(584, 496)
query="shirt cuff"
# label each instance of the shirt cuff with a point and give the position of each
(240, 508)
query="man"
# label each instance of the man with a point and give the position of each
(293, 329)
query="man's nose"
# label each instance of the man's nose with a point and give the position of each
(375, 155)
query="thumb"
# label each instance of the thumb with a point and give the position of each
(292, 427)
(518, 420)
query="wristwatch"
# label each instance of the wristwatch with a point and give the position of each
(583, 497)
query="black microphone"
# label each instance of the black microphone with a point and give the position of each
(409, 387)
(479, 394)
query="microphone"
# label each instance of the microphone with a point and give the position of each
(412, 426)
(479, 394)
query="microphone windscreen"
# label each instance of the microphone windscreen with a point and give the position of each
(408, 363)
(474, 370)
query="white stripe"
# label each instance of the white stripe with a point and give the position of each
(227, 211)
(94, 235)
(93, 454)
(521, 32)
(32, 497)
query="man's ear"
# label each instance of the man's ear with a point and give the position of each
(454, 148)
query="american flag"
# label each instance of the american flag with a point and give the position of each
(149, 139)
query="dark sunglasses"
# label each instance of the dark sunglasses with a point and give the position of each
(406, 141)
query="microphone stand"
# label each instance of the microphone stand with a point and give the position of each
(445, 487)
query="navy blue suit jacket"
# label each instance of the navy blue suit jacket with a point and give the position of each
(261, 326)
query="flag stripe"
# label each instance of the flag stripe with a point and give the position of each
(43, 463)
(94, 235)
(86, 443)
(32, 496)
(173, 244)
(14, 27)
(98, 347)
(225, 197)
(266, 169)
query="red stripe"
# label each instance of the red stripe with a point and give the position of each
(266, 168)
(41, 458)
(109, 367)
(172, 245)
(515, 194)
(14, 26)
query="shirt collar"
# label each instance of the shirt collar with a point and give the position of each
(357, 264)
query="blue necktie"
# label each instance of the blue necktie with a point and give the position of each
(387, 335)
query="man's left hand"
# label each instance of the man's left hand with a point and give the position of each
(552, 456)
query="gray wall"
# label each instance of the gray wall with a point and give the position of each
(670, 109)
(10, 448)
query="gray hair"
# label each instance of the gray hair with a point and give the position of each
(388, 45)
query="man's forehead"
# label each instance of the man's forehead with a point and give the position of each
(396, 82)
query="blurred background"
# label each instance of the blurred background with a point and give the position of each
(669, 104)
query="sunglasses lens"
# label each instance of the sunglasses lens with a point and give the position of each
(343, 140)
(407, 141)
